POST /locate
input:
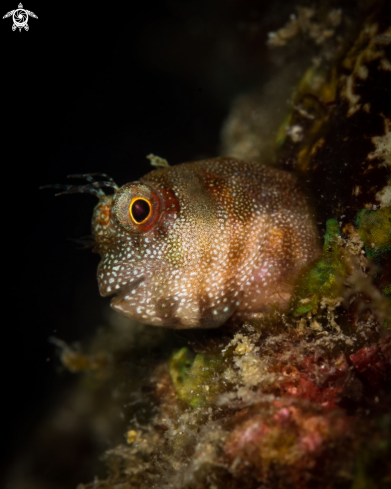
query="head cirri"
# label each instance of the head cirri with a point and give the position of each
(198, 243)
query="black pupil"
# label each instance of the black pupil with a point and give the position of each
(140, 210)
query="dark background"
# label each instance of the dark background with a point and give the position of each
(93, 89)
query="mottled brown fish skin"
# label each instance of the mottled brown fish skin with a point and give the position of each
(224, 239)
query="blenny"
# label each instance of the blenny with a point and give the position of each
(192, 245)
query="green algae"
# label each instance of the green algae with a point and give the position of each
(193, 376)
(374, 228)
(324, 278)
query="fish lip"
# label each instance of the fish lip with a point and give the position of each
(126, 289)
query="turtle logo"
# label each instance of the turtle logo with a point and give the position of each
(20, 17)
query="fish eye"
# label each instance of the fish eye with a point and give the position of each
(140, 210)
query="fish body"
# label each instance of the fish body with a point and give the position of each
(193, 245)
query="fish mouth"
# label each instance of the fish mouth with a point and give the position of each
(121, 293)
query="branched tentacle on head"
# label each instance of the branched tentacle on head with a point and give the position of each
(94, 187)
